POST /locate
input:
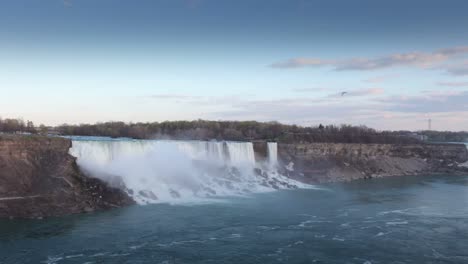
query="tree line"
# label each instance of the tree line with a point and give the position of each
(14, 125)
(239, 131)
(234, 130)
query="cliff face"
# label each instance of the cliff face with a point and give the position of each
(39, 178)
(324, 162)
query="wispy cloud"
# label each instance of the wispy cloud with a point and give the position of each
(380, 79)
(460, 69)
(309, 90)
(429, 102)
(205, 101)
(347, 92)
(453, 84)
(301, 62)
(292, 110)
(173, 96)
(413, 59)
(359, 92)
(360, 106)
(366, 92)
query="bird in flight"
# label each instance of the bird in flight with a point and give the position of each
(343, 93)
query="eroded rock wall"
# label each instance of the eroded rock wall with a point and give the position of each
(39, 178)
(325, 162)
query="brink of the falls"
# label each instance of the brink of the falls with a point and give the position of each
(155, 171)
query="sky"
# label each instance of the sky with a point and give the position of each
(383, 64)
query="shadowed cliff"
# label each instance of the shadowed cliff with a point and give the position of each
(39, 178)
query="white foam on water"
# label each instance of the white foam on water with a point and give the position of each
(155, 171)
(338, 239)
(397, 223)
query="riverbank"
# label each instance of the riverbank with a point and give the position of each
(38, 178)
(331, 162)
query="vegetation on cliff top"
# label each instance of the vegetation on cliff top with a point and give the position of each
(235, 130)
(12, 125)
(445, 136)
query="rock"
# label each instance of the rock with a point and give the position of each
(260, 150)
(174, 194)
(326, 162)
(211, 191)
(258, 171)
(148, 194)
(39, 179)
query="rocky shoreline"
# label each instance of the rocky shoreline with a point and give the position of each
(38, 178)
(331, 162)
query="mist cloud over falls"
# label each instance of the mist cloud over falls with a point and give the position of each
(153, 171)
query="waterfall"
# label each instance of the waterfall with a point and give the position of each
(153, 171)
(203, 149)
(272, 148)
(465, 164)
(241, 153)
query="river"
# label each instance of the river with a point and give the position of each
(392, 220)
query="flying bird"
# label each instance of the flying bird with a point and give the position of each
(343, 93)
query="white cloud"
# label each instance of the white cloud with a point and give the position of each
(411, 59)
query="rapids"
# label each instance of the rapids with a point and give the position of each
(420, 219)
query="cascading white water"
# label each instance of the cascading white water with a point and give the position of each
(272, 153)
(179, 171)
(241, 153)
(466, 163)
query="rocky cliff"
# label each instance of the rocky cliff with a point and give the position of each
(325, 162)
(39, 178)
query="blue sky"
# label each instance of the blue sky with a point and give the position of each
(84, 61)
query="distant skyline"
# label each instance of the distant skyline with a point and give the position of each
(85, 61)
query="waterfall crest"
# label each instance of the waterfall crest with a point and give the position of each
(153, 171)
